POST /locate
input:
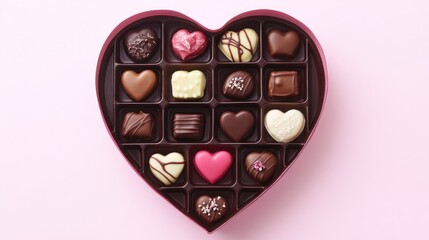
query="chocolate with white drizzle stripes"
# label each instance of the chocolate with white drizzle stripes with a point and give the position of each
(167, 168)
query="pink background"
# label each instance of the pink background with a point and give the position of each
(364, 175)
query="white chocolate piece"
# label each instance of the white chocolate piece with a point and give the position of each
(187, 85)
(241, 46)
(167, 168)
(284, 127)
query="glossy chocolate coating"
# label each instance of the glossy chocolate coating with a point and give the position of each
(211, 209)
(282, 44)
(283, 84)
(238, 85)
(137, 125)
(237, 126)
(139, 86)
(188, 126)
(261, 166)
(141, 45)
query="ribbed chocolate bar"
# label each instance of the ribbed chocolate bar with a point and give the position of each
(188, 126)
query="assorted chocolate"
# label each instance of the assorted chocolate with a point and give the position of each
(137, 125)
(239, 46)
(188, 85)
(188, 45)
(283, 84)
(261, 166)
(283, 44)
(167, 169)
(237, 126)
(188, 126)
(211, 209)
(140, 45)
(238, 85)
(211, 133)
(138, 86)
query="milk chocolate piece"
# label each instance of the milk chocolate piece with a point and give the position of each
(139, 86)
(283, 84)
(237, 126)
(137, 125)
(282, 44)
(188, 126)
(238, 85)
(261, 166)
(211, 209)
(141, 45)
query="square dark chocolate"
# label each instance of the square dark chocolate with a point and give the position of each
(283, 84)
(188, 126)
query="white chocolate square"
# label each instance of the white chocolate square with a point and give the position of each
(188, 85)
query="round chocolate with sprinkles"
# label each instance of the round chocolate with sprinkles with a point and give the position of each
(238, 85)
(261, 166)
(141, 45)
(211, 209)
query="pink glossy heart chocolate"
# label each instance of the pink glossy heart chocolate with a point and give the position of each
(212, 167)
(215, 132)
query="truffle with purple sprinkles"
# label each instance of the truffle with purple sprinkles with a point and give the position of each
(211, 209)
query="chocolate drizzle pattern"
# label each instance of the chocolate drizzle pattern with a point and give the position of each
(238, 46)
(165, 173)
(137, 124)
(261, 165)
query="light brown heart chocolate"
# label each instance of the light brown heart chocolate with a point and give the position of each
(138, 86)
(282, 44)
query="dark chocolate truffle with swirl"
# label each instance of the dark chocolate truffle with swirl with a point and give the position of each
(238, 85)
(137, 125)
(140, 45)
(261, 166)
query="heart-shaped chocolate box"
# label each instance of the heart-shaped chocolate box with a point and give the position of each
(236, 187)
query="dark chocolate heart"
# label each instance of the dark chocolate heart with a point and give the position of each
(237, 126)
(190, 126)
(282, 44)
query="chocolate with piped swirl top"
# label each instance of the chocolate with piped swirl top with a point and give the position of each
(188, 126)
(261, 166)
(137, 125)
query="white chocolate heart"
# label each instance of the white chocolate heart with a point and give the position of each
(167, 168)
(284, 127)
(186, 85)
(241, 46)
